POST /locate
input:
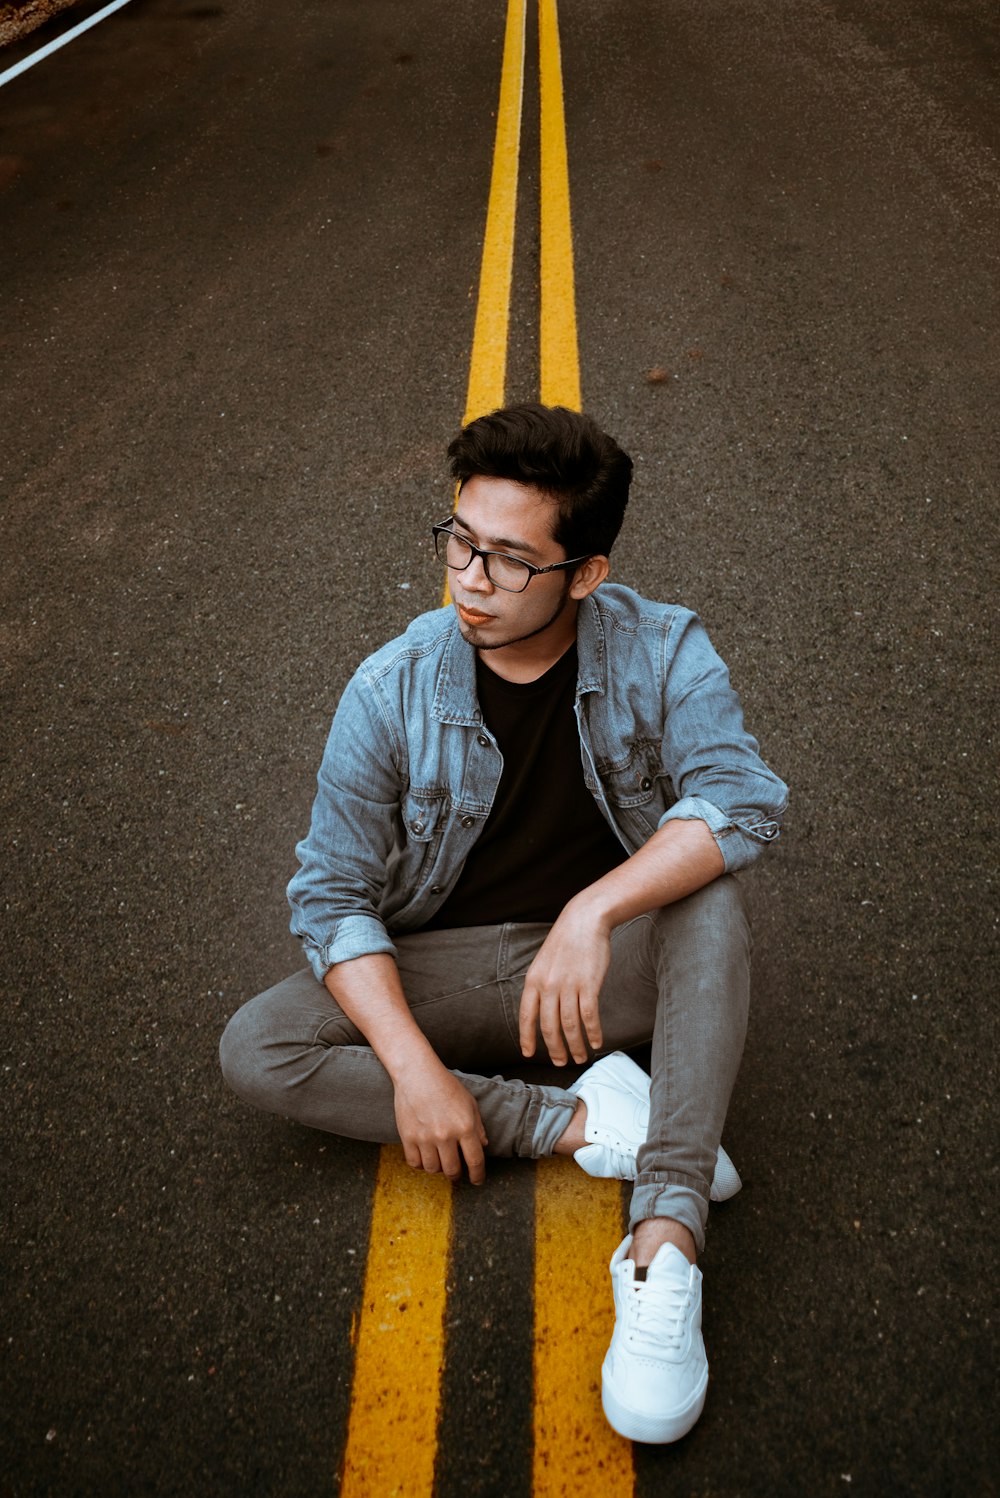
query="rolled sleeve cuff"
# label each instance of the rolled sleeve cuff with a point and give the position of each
(354, 936)
(739, 841)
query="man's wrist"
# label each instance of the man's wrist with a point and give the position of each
(407, 1055)
(592, 908)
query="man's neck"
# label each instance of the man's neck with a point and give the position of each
(527, 660)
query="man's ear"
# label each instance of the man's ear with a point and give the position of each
(588, 576)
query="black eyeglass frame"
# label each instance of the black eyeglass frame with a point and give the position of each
(446, 528)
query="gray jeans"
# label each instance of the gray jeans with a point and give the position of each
(679, 978)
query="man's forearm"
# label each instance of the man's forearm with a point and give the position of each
(437, 1117)
(681, 857)
(369, 991)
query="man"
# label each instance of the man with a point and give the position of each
(529, 811)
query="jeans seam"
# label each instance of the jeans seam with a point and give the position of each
(661, 1178)
(660, 1053)
(452, 993)
(527, 1134)
(330, 1019)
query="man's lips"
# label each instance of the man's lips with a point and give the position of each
(473, 616)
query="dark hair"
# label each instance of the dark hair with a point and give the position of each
(560, 452)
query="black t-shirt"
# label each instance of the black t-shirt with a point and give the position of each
(545, 838)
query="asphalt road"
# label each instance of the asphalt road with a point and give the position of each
(240, 247)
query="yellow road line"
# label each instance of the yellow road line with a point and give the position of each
(577, 1219)
(578, 1225)
(392, 1433)
(488, 361)
(560, 360)
(399, 1359)
(488, 364)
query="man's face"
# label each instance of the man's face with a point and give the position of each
(499, 515)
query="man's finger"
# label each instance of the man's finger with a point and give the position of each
(569, 1013)
(552, 1031)
(429, 1159)
(591, 1013)
(474, 1159)
(528, 1019)
(451, 1164)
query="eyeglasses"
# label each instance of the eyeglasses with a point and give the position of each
(512, 574)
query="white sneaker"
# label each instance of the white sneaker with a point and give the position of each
(726, 1181)
(655, 1374)
(616, 1093)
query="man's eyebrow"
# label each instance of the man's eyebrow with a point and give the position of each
(508, 543)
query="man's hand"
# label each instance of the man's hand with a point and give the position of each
(563, 986)
(439, 1123)
(437, 1118)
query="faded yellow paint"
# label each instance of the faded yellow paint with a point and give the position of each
(488, 361)
(578, 1220)
(559, 354)
(488, 364)
(399, 1334)
(392, 1433)
(578, 1226)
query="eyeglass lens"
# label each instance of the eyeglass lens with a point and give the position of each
(502, 571)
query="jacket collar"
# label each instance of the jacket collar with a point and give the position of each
(455, 699)
(591, 647)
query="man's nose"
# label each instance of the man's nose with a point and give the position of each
(475, 578)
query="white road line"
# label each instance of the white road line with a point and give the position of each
(60, 41)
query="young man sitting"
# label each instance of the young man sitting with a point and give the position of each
(529, 811)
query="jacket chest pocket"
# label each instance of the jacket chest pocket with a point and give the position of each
(635, 783)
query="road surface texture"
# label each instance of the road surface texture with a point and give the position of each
(241, 252)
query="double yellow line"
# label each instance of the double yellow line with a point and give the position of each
(399, 1337)
(559, 357)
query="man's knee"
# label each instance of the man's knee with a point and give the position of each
(720, 908)
(708, 935)
(269, 1042)
(716, 912)
(255, 1048)
(241, 1054)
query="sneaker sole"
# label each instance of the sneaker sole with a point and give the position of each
(726, 1181)
(654, 1430)
(631, 1078)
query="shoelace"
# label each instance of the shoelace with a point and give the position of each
(657, 1315)
(623, 1160)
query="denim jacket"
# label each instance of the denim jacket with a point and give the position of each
(410, 769)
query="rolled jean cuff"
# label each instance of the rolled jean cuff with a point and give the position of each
(548, 1118)
(670, 1197)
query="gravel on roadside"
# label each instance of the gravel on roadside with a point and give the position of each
(16, 20)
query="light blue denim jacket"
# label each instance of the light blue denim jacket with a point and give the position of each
(410, 770)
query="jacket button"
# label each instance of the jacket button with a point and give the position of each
(482, 740)
(468, 821)
(436, 889)
(417, 827)
(645, 783)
